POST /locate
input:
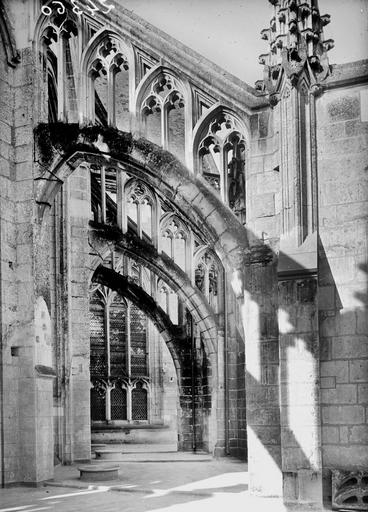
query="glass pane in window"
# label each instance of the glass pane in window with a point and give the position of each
(118, 337)
(139, 403)
(98, 366)
(138, 335)
(98, 412)
(118, 404)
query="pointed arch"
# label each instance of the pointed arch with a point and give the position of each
(109, 51)
(175, 130)
(205, 120)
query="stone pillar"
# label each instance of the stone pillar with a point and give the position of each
(77, 275)
(262, 382)
(299, 370)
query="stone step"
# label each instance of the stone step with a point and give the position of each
(169, 457)
(97, 446)
(135, 448)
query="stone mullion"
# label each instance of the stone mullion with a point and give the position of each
(129, 402)
(60, 76)
(103, 194)
(139, 219)
(108, 403)
(122, 218)
(155, 222)
(128, 340)
(110, 97)
(223, 174)
(107, 338)
(164, 127)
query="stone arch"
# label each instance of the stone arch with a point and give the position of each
(136, 294)
(209, 114)
(165, 268)
(44, 21)
(190, 194)
(181, 353)
(151, 76)
(192, 198)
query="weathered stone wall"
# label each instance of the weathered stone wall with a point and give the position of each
(235, 383)
(343, 207)
(9, 452)
(260, 308)
(27, 407)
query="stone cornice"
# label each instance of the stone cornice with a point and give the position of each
(351, 73)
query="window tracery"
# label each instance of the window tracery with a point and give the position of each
(141, 208)
(168, 300)
(222, 154)
(163, 116)
(207, 275)
(59, 40)
(109, 84)
(175, 240)
(119, 357)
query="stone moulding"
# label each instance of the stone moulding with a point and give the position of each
(349, 490)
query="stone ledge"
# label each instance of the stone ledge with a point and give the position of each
(128, 426)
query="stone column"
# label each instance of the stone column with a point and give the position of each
(77, 275)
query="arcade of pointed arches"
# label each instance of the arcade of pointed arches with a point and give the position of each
(160, 106)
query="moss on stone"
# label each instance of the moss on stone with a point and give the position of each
(155, 155)
(67, 138)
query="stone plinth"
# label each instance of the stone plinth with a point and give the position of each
(97, 473)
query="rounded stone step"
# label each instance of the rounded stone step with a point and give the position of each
(98, 473)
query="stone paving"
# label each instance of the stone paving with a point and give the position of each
(188, 485)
